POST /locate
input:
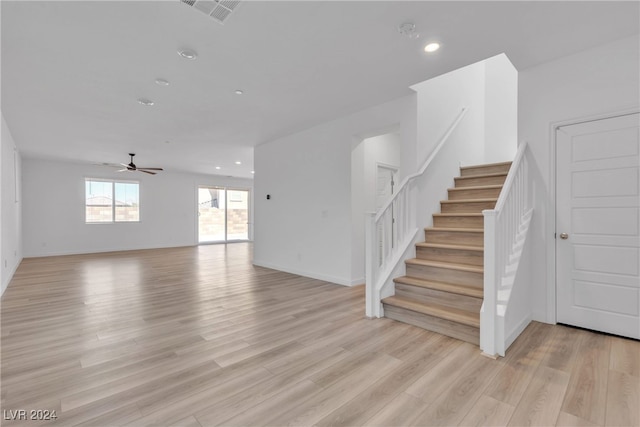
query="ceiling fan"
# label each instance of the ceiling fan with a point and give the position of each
(131, 167)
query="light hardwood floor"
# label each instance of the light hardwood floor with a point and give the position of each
(197, 336)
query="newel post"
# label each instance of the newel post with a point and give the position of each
(488, 343)
(372, 300)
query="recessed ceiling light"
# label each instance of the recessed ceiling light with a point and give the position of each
(253, 171)
(162, 82)
(146, 102)
(187, 54)
(239, 92)
(218, 167)
(238, 163)
(432, 47)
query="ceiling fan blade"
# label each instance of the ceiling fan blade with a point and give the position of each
(152, 169)
(125, 165)
(150, 173)
(123, 170)
(111, 165)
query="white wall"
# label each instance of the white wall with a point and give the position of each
(313, 224)
(308, 225)
(489, 89)
(440, 100)
(594, 82)
(386, 150)
(11, 209)
(501, 110)
(487, 133)
(54, 219)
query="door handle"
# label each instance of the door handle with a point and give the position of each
(564, 236)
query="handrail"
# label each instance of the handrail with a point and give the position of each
(391, 230)
(511, 175)
(425, 165)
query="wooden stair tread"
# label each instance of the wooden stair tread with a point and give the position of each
(436, 310)
(441, 286)
(448, 265)
(477, 187)
(466, 214)
(442, 289)
(449, 246)
(456, 229)
(486, 165)
(481, 176)
(469, 200)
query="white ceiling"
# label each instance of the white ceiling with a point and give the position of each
(72, 71)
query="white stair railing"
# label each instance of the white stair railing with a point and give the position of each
(390, 231)
(505, 230)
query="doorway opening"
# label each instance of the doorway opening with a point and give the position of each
(375, 175)
(386, 180)
(223, 214)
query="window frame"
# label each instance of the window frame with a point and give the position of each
(113, 200)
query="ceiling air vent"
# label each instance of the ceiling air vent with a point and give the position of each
(219, 10)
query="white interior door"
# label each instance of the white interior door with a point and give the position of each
(385, 182)
(386, 177)
(597, 225)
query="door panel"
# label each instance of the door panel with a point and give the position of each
(237, 214)
(384, 184)
(597, 265)
(386, 177)
(211, 214)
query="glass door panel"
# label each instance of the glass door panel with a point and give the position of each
(237, 214)
(211, 214)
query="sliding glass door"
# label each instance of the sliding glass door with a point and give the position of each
(237, 214)
(223, 214)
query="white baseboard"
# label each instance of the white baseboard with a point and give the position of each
(5, 285)
(356, 282)
(539, 316)
(100, 251)
(310, 274)
(515, 333)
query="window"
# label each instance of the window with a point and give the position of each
(111, 201)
